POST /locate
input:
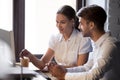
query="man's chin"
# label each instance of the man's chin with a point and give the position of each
(85, 35)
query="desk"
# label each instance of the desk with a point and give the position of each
(30, 73)
(15, 74)
(45, 74)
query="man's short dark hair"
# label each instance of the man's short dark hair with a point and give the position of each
(94, 13)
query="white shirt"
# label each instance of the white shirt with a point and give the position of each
(66, 52)
(103, 61)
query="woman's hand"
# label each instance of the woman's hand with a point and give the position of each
(25, 53)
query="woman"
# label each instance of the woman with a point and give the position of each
(69, 48)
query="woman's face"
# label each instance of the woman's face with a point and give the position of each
(63, 24)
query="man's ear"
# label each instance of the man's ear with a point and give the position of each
(91, 24)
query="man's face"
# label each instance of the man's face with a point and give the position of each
(84, 27)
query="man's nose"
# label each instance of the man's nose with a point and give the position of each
(79, 27)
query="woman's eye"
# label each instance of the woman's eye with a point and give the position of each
(62, 22)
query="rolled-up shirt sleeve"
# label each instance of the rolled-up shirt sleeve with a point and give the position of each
(81, 73)
(78, 73)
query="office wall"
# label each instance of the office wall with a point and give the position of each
(114, 18)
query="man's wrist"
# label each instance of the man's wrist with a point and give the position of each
(63, 75)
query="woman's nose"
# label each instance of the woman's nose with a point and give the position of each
(58, 25)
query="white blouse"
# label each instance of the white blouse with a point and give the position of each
(66, 52)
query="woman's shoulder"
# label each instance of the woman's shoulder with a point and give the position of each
(55, 37)
(78, 33)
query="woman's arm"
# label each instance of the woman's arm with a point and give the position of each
(40, 63)
(82, 59)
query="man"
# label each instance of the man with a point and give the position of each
(104, 63)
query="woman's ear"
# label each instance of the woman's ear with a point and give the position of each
(73, 22)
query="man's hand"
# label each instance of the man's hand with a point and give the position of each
(57, 71)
